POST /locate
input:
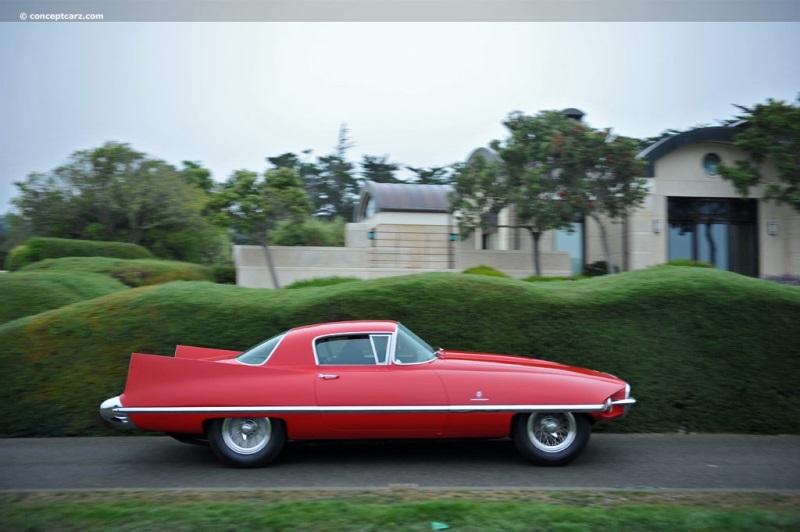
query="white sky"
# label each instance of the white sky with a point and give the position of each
(230, 94)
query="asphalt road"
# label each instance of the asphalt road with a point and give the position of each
(612, 461)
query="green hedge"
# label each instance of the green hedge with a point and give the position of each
(704, 350)
(28, 293)
(40, 248)
(135, 273)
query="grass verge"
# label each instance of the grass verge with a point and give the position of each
(398, 510)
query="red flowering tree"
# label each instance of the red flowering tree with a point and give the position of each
(600, 175)
(551, 169)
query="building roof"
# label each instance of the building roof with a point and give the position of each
(694, 136)
(404, 197)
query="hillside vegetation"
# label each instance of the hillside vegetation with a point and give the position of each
(132, 272)
(41, 248)
(28, 293)
(704, 350)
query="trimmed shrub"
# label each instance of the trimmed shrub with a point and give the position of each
(28, 293)
(485, 270)
(597, 269)
(703, 349)
(540, 279)
(40, 248)
(140, 272)
(691, 263)
(223, 274)
(18, 257)
(321, 281)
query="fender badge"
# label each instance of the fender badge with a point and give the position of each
(479, 396)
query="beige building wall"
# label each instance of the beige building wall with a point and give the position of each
(681, 174)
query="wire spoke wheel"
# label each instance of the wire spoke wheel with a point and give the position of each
(552, 432)
(551, 438)
(246, 435)
(246, 441)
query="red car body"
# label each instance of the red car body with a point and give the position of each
(363, 380)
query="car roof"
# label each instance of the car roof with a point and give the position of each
(340, 327)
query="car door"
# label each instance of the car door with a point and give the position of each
(362, 394)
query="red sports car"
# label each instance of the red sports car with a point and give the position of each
(362, 380)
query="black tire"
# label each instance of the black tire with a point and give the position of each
(551, 438)
(246, 441)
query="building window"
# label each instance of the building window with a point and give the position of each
(710, 163)
(572, 242)
(719, 231)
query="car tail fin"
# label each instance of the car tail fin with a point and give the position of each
(199, 353)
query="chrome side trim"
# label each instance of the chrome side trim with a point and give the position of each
(413, 409)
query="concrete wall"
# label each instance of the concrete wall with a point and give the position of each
(394, 249)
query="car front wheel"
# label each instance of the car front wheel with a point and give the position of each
(247, 441)
(551, 438)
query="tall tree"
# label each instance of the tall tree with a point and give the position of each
(535, 189)
(195, 174)
(112, 192)
(336, 188)
(479, 193)
(379, 169)
(771, 134)
(309, 174)
(253, 206)
(551, 168)
(435, 175)
(600, 173)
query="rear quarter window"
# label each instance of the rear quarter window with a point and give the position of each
(259, 354)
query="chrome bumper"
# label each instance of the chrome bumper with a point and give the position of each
(109, 411)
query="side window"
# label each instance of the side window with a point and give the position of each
(411, 349)
(259, 354)
(346, 350)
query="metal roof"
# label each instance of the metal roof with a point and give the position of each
(405, 197)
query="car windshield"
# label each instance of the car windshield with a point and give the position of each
(259, 354)
(411, 349)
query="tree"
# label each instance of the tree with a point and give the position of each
(194, 174)
(254, 207)
(479, 194)
(435, 175)
(335, 187)
(379, 169)
(535, 188)
(772, 133)
(600, 175)
(518, 180)
(552, 168)
(112, 192)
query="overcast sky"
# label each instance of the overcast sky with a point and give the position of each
(230, 94)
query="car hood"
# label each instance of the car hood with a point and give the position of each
(492, 362)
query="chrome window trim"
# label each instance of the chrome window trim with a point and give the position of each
(354, 333)
(282, 335)
(396, 362)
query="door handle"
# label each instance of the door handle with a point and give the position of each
(327, 376)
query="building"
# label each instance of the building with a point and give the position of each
(690, 213)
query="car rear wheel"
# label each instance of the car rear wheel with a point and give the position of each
(247, 441)
(551, 438)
